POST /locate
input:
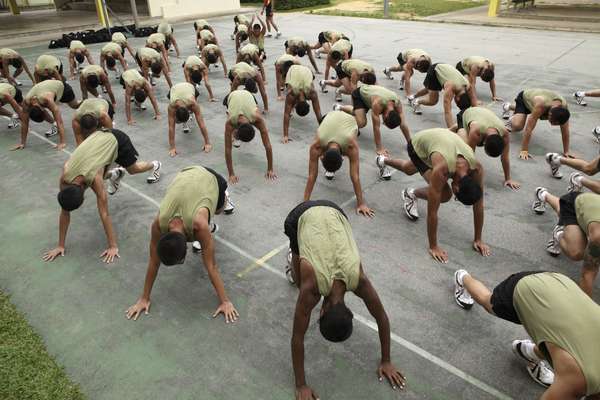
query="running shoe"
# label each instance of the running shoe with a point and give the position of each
(15, 122)
(337, 107)
(237, 143)
(575, 184)
(553, 245)
(518, 349)
(401, 87)
(196, 246)
(553, 160)
(539, 204)
(288, 268)
(269, 34)
(508, 125)
(461, 295)
(384, 171)
(329, 175)
(140, 106)
(155, 176)
(506, 110)
(186, 125)
(323, 86)
(410, 204)
(232, 36)
(53, 131)
(541, 373)
(318, 53)
(416, 107)
(229, 207)
(114, 180)
(277, 35)
(596, 133)
(338, 94)
(19, 83)
(579, 98)
(388, 73)
(410, 99)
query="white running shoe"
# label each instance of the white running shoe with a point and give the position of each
(140, 106)
(579, 98)
(288, 268)
(329, 175)
(269, 34)
(338, 94)
(318, 53)
(416, 107)
(19, 83)
(323, 86)
(337, 107)
(155, 176)
(114, 180)
(401, 87)
(575, 184)
(461, 295)
(186, 125)
(541, 373)
(196, 246)
(53, 131)
(553, 245)
(229, 207)
(237, 143)
(553, 160)
(384, 171)
(539, 204)
(519, 349)
(232, 36)
(388, 73)
(410, 99)
(508, 125)
(15, 122)
(410, 204)
(506, 110)
(277, 35)
(596, 133)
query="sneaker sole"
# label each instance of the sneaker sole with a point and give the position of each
(535, 378)
(466, 306)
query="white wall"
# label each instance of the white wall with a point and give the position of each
(182, 8)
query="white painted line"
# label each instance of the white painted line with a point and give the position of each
(363, 320)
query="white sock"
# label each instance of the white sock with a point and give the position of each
(580, 93)
(527, 347)
(543, 195)
(155, 164)
(461, 276)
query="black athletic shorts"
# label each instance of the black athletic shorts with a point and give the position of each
(126, 153)
(502, 297)
(222, 182)
(269, 10)
(60, 69)
(350, 51)
(416, 160)
(431, 81)
(357, 101)
(340, 72)
(460, 68)
(111, 110)
(290, 226)
(567, 215)
(18, 95)
(322, 38)
(68, 94)
(520, 107)
(400, 59)
(459, 119)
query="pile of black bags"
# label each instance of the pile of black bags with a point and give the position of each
(99, 36)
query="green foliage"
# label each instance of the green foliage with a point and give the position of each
(281, 5)
(27, 371)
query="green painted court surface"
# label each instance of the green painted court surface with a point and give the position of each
(178, 351)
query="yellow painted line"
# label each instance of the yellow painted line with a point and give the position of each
(261, 261)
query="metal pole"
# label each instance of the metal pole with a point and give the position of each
(385, 8)
(105, 13)
(135, 14)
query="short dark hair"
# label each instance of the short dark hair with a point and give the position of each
(243, 36)
(139, 95)
(79, 57)
(156, 67)
(423, 65)
(560, 114)
(302, 108)
(196, 76)
(392, 120)
(88, 122)
(211, 58)
(463, 101)
(250, 85)
(332, 159)
(285, 67)
(336, 323)
(36, 114)
(487, 75)
(469, 191)
(300, 51)
(245, 132)
(110, 61)
(92, 81)
(368, 77)
(493, 145)
(257, 25)
(182, 114)
(71, 197)
(172, 248)
(336, 55)
(16, 62)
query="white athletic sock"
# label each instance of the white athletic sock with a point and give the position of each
(155, 164)
(527, 347)
(461, 276)
(580, 93)
(543, 195)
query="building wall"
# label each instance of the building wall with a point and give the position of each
(183, 8)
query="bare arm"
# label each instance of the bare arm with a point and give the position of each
(448, 107)
(26, 68)
(408, 72)
(150, 92)
(532, 120)
(211, 97)
(71, 65)
(313, 169)
(122, 61)
(175, 45)
(361, 206)
(171, 118)
(83, 86)
(403, 124)
(377, 132)
(59, 124)
(102, 203)
(278, 82)
(109, 90)
(434, 198)
(200, 121)
(564, 131)
(166, 73)
(88, 56)
(263, 92)
(289, 101)
(264, 135)
(367, 293)
(228, 157)
(222, 58)
(63, 226)
(311, 57)
(130, 120)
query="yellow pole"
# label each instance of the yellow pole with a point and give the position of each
(14, 8)
(100, 13)
(493, 9)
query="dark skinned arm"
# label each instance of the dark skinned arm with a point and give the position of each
(313, 168)
(264, 135)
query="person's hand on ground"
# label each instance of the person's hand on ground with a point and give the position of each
(271, 175)
(482, 248)
(362, 209)
(524, 155)
(142, 305)
(395, 378)
(514, 185)
(109, 255)
(228, 310)
(306, 393)
(439, 254)
(54, 253)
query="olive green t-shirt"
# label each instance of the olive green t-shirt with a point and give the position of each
(210, 48)
(110, 49)
(6, 52)
(76, 45)
(148, 54)
(92, 70)
(242, 28)
(325, 240)
(297, 41)
(473, 61)
(95, 107)
(184, 92)
(285, 58)
(119, 38)
(367, 92)
(332, 36)
(165, 28)
(192, 189)
(356, 65)
(243, 70)
(250, 50)
(259, 40)
(158, 38)
(97, 151)
(201, 23)
(445, 142)
(342, 46)
(337, 127)
(132, 77)
(205, 34)
(299, 79)
(548, 95)
(484, 118)
(194, 62)
(447, 73)
(243, 19)
(50, 86)
(554, 309)
(241, 102)
(7, 88)
(587, 209)
(413, 53)
(47, 62)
